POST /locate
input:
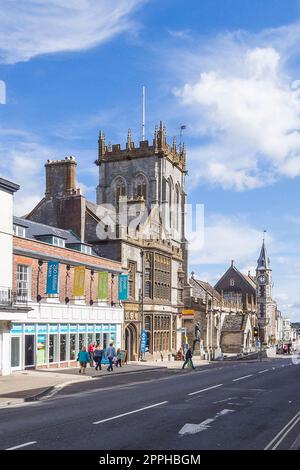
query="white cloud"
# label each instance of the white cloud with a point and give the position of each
(32, 27)
(244, 110)
(22, 159)
(233, 237)
(181, 34)
(226, 238)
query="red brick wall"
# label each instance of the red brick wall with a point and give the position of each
(39, 287)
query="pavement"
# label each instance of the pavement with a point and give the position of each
(249, 405)
(31, 385)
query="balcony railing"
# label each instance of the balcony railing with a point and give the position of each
(8, 297)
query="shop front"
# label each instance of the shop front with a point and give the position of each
(46, 345)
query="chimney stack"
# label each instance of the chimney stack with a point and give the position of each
(60, 177)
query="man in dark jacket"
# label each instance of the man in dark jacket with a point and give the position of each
(188, 358)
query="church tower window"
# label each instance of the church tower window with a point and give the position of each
(170, 203)
(131, 279)
(177, 208)
(141, 187)
(148, 279)
(120, 189)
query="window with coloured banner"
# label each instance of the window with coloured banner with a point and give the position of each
(41, 352)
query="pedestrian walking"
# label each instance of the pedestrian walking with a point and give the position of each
(119, 358)
(188, 359)
(111, 353)
(91, 352)
(98, 354)
(83, 358)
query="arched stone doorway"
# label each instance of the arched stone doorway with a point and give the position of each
(131, 342)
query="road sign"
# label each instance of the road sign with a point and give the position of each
(187, 312)
(182, 330)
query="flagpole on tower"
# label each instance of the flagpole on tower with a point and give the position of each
(143, 113)
(182, 128)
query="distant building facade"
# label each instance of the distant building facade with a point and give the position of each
(266, 305)
(229, 311)
(226, 325)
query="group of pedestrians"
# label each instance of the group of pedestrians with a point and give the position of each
(94, 356)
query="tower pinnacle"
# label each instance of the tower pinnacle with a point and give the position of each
(263, 261)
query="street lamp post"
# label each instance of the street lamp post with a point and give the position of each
(262, 323)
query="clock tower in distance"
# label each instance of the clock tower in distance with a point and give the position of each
(266, 306)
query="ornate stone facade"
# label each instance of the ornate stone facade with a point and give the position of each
(147, 182)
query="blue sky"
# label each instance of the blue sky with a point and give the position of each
(227, 69)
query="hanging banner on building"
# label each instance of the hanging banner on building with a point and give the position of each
(52, 277)
(144, 337)
(79, 281)
(102, 286)
(123, 286)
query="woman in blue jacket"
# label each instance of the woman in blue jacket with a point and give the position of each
(83, 358)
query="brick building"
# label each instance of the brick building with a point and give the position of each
(53, 331)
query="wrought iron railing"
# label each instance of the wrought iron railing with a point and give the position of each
(8, 297)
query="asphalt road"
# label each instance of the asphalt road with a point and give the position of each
(223, 406)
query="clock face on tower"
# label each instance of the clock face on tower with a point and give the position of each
(262, 279)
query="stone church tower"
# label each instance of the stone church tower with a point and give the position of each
(266, 306)
(143, 190)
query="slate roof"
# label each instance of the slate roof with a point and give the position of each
(249, 279)
(92, 207)
(200, 288)
(245, 277)
(9, 186)
(35, 229)
(263, 260)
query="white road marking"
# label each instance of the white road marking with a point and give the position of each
(204, 389)
(22, 445)
(262, 371)
(225, 399)
(189, 428)
(242, 378)
(130, 412)
(296, 444)
(283, 433)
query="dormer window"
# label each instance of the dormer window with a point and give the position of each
(52, 240)
(19, 231)
(58, 242)
(86, 249)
